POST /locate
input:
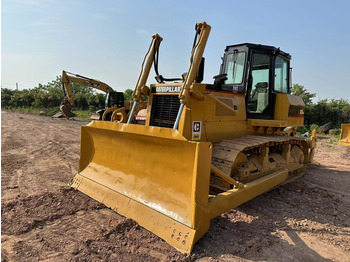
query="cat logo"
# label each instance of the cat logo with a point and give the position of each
(196, 130)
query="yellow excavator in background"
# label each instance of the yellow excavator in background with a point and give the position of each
(345, 135)
(205, 148)
(116, 109)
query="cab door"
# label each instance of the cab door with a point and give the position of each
(259, 92)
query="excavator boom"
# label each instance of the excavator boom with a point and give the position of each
(67, 79)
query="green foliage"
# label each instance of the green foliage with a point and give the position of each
(48, 97)
(100, 100)
(324, 111)
(128, 94)
(302, 129)
(336, 111)
(51, 111)
(96, 101)
(81, 114)
(300, 90)
(313, 126)
(81, 101)
(6, 95)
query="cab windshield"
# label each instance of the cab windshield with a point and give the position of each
(234, 68)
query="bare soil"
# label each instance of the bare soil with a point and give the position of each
(42, 219)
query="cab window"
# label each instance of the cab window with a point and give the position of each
(234, 68)
(281, 75)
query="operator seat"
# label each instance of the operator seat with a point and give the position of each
(262, 96)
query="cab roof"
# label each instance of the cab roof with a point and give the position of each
(259, 47)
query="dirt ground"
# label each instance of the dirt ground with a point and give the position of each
(42, 219)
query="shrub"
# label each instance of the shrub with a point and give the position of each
(81, 102)
(313, 126)
(302, 129)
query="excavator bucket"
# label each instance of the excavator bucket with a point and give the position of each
(152, 175)
(66, 109)
(345, 135)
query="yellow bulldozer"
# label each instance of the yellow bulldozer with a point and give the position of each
(345, 135)
(204, 148)
(116, 109)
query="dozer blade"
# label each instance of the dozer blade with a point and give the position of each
(345, 135)
(152, 175)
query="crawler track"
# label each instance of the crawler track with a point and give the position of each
(248, 158)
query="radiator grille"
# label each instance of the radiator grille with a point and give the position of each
(164, 110)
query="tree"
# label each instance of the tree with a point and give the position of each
(300, 90)
(128, 94)
(6, 95)
(328, 110)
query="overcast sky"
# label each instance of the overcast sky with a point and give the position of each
(107, 40)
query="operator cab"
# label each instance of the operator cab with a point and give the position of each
(114, 99)
(259, 71)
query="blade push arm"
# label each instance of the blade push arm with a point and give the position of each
(202, 32)
(145, 69)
